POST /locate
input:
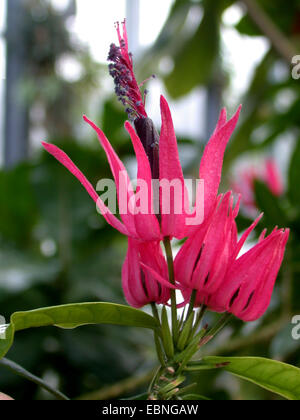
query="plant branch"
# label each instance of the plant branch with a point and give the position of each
(19, 370)
(119, 388)
(157, 341)
(192, 303)
(278, 39)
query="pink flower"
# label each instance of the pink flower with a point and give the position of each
(267, 173)
(139, 285)
(208, 263)
(157, 157)
(249, 282)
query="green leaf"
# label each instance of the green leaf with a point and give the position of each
(75, 315)
(284, 21)
(246, 27)
(193, 63)
(280, 378)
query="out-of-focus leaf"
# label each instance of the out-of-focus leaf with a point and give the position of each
(168, 40)
(113, 119)
(281, 378)
(193, 63)
(75, 315)
(294, 177)
(252, 113)
(247, 27)
(285, 17)
(270, 205)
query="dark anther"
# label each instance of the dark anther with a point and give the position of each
(150, 139)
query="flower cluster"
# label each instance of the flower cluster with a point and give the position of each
(121, 69)
(208, 264)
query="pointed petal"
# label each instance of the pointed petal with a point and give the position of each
(189, 254)
(216, 250)
(212, 160)
(262, 235)
(172, 225)
(262, 296)
(247, 274)
(246, 235)
(147, 225)
(252, 271)
(222, 120)
(159, 278)
(237, 207)
(124, 189)
(64, 159)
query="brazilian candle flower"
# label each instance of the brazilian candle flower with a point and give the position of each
(249, 281)
(208, 259)
(209, 270)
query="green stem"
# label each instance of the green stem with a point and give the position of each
(199, 319)
(170, 261)
(19, 370)
(192, 303)
(157, 341)
(182, 318)
(155, 312)
(218, 327)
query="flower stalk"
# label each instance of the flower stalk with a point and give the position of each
(170, 262)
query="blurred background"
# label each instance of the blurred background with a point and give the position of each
(55, 248)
